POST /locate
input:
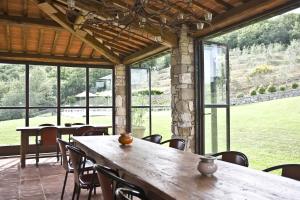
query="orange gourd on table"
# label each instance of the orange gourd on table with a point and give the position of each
(125, 138)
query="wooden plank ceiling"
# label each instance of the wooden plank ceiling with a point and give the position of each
(36, 30)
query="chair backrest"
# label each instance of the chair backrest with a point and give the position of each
(107, 183)
(156, 138)
(46, 125)
(78, 159)
(63, 150)
(176, 143)
(78, 123)
(83, 131)
(288, 170)
(48, 135)
(234, 157)
(109, 179)
(127, 194)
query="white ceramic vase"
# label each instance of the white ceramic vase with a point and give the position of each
(207, 165)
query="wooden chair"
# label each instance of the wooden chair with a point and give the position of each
(110, 181)
(46, 125)
(82, 180)
(67, 164)
(127, 194)
(156, 138)
(47, 135)
(176, 143)
(78, 123)
(234, 157)
(84, 131)
(288, 170)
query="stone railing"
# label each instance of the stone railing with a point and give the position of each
(265, 97)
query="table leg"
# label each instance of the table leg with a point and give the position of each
(23, 149)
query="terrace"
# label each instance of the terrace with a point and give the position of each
(139, 67)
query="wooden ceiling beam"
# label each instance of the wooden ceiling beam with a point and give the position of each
(52, 59)
(5, 6)
(239, 14)
(24, 34)
(68, 45)
(40, 41)
(25, 8)
(203, 7)
(27, 21)
(8, 39)
(125, 44)
(82, 46)
(115, 34)
(60, 18)
(224, 4)
(54, 43)
(144, 53)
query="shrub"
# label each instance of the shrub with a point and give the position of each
(240, 95)
(295, 85)
(253, 92)
(271, 88)
(282, 88)
(261, 69)
(146, 92)
(261, 90)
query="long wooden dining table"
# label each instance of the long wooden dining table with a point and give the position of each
(26, 132)
(167, 173)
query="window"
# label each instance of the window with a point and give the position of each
(31, 95)
(151, 97)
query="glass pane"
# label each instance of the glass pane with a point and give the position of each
(160, 84)
(101, 116)
(42, 86)
(100, 86)
(215, 74)
(140, 122)
(73, 86)
(12, 85)
(139, 87)
(161, 122)
(73, 115)
(10, 119)
(215, 130)
(42, 116)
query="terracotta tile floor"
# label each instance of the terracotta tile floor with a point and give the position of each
(36, 183)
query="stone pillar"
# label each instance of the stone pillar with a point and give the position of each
(120, 95)
(182, 89)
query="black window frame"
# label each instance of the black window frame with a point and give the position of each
(58, 106)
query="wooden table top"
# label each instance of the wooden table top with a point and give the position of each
(59, 127)
(173, 174)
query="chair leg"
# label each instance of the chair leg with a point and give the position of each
(90, 193)
(74, 191)
(57, 152)
(64, 186)
(94, 190)
(78, 192)
(36, 150)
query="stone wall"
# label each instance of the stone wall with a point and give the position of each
(265, 97)
(120, 95)
(182, 90)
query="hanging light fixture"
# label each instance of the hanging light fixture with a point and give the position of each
(143, 13)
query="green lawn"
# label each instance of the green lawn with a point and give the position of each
(268, 133)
